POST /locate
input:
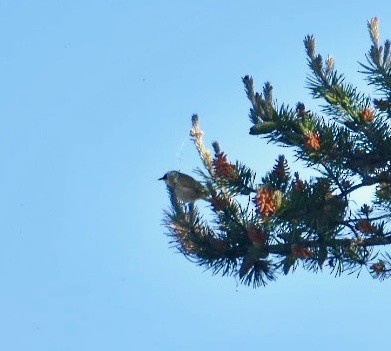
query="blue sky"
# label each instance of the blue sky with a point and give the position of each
(96, 99)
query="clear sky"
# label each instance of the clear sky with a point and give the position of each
(95, 105)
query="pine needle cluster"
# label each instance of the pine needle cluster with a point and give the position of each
(262, 229)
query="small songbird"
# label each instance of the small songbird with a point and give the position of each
(185, 187)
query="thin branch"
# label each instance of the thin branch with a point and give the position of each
(285, 249)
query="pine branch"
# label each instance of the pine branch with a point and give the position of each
(378, 67)
(343, 100)
(258, 230)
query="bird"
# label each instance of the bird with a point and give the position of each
(185, 187)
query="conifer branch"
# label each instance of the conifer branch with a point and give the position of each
(258, 229)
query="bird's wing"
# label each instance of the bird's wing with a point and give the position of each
(190, 182)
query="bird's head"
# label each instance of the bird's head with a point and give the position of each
(170, 177)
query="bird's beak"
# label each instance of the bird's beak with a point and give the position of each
(164, 177)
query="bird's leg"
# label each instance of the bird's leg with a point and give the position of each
(191, 211)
